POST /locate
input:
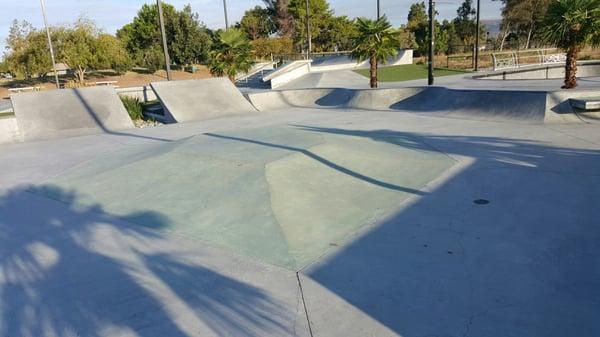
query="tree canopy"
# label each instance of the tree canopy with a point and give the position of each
(257, 23)
(376, 41)
(82, 46)
(188, 40)
(232, 54)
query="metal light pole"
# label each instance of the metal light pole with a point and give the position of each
(477, 37)
(50, 44)
(308, 36)
(161, 21)
(378, 10)
(431, 41)
(225, 11)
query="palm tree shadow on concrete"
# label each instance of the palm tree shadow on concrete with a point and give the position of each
(524, 264)
(69, 270)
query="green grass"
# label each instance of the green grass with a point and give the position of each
(407, 72)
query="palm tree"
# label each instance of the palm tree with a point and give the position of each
(571, 25)
(232, 54)
(376, 42)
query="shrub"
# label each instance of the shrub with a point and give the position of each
(133, 106)
(265, 48)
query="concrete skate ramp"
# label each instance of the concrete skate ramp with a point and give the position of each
(196, 100)
(69, 112)
(493, 105)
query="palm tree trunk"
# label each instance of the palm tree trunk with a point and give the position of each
(571, 68)
(373, 62)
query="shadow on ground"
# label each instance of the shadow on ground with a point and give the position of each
(68, 270)
(526, 264)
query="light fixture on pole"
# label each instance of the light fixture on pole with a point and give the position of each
(50, 44)
(431, 41)
(161, 22)
(225, 11)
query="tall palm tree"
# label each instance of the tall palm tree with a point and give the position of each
(571, 25)
(232, 54)
(376, 42)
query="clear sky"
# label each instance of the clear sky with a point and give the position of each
(113, 14)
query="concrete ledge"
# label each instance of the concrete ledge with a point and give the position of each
(288, 73)
(344, 62)
(144, 93)
(592, 103)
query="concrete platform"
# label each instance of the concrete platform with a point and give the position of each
(195, 100)
(69, 112)
(586, 103)
(177, 230)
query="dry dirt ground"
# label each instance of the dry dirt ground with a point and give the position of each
(129, 79)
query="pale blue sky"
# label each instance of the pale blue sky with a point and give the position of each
(113, 14)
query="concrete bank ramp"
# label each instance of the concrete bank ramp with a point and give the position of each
(196, 100)
(69, 112)
(493, 105)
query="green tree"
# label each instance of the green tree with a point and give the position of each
(337, 34)
(27, 50)
(80, 50)
(523, 18)
(464, 23)
(281, 17)
(320, 16)
(571, 25)
(376, 42)
(406, 38)
(232, 54)
(188, 40)
(266, 48)
(257, 23)
(417, 24)
(111, 54)
(191, 39)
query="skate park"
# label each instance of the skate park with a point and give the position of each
(400, 211)
(300, 168)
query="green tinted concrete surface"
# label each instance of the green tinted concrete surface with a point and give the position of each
(282, 195)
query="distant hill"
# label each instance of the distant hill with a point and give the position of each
(492, 26)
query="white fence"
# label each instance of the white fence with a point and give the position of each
(516, 59)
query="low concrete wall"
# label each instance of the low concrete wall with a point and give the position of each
(344, 62)
(144, 94)
(288, 73)
(9, 130)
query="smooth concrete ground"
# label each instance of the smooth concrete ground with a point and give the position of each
(433, 264)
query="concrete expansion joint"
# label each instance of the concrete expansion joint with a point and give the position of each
(304, 304)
